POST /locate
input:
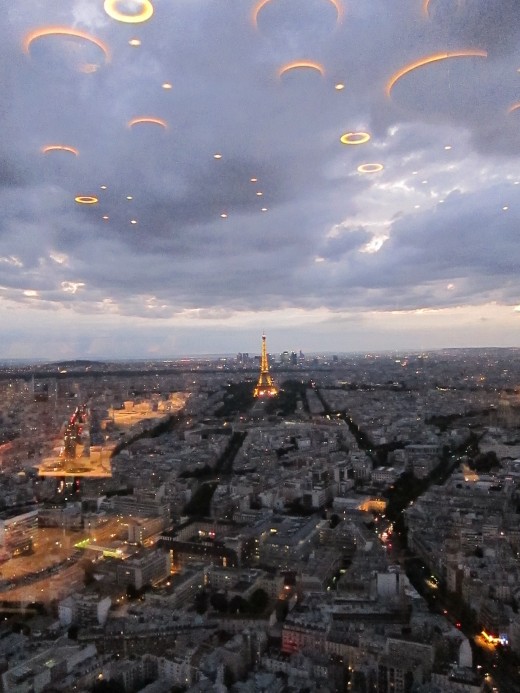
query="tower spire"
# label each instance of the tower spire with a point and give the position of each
(265, 386)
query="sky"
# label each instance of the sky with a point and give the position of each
(179, 185)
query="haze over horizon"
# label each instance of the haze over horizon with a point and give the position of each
(226, 204)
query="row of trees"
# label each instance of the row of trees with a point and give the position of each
(255, 605)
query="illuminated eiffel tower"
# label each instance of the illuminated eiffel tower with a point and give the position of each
(265, 386)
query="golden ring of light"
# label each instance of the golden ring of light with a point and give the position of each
(86, 200)
(59, 148)
(260, 5)
(354, 138)
(370, 168)
(148, 119)
(513, 108)
(63, 31)
(299, 64)
(110, 7)
(436, 57)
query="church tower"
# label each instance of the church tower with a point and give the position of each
(265, 386)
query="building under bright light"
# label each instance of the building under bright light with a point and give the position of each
(265, 386)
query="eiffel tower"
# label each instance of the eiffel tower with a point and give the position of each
(265, 386)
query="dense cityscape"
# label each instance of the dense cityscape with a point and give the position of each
(173, 526)
(259, 356)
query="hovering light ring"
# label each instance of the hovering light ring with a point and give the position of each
(86, 200)
(354, 138)
(436, 57)
(370, 168)
(59, 148)
(514, 107)
(63, 31)
(260, 5)
(148, 119)
(311, 64)
(110, 7)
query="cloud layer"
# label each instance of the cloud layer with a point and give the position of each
(281, 222)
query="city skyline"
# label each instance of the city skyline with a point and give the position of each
(181, 184)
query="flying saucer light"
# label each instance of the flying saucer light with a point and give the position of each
(514, 107)
(436, 57)
(147, 119)
(59, 148)
(262, 3)
(63, 31)
(297, 64)
(134, 42)
(370, 168)
(86, 200)
(144, 11)
(354, 138)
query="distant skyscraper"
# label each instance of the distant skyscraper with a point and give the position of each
(265, 386)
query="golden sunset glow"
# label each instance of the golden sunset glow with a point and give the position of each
(354, 138)
(260, 5)
(435, 58)
(63, 31)
(147, 119)
(145, 11)
(297, 64)
(59, 148)
(370, 168)
(86, 200)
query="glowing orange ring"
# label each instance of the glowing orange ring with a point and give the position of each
(436, 57)
(146, 12)
(425, 7)
(63, 31)
(260, 5)
(86, 200)
(301, 63)
(354, 138)
(59, 148)
(148, 119)
(370, 168)
(514, 107)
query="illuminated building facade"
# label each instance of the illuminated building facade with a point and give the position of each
(17, 532)
(265, 386)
